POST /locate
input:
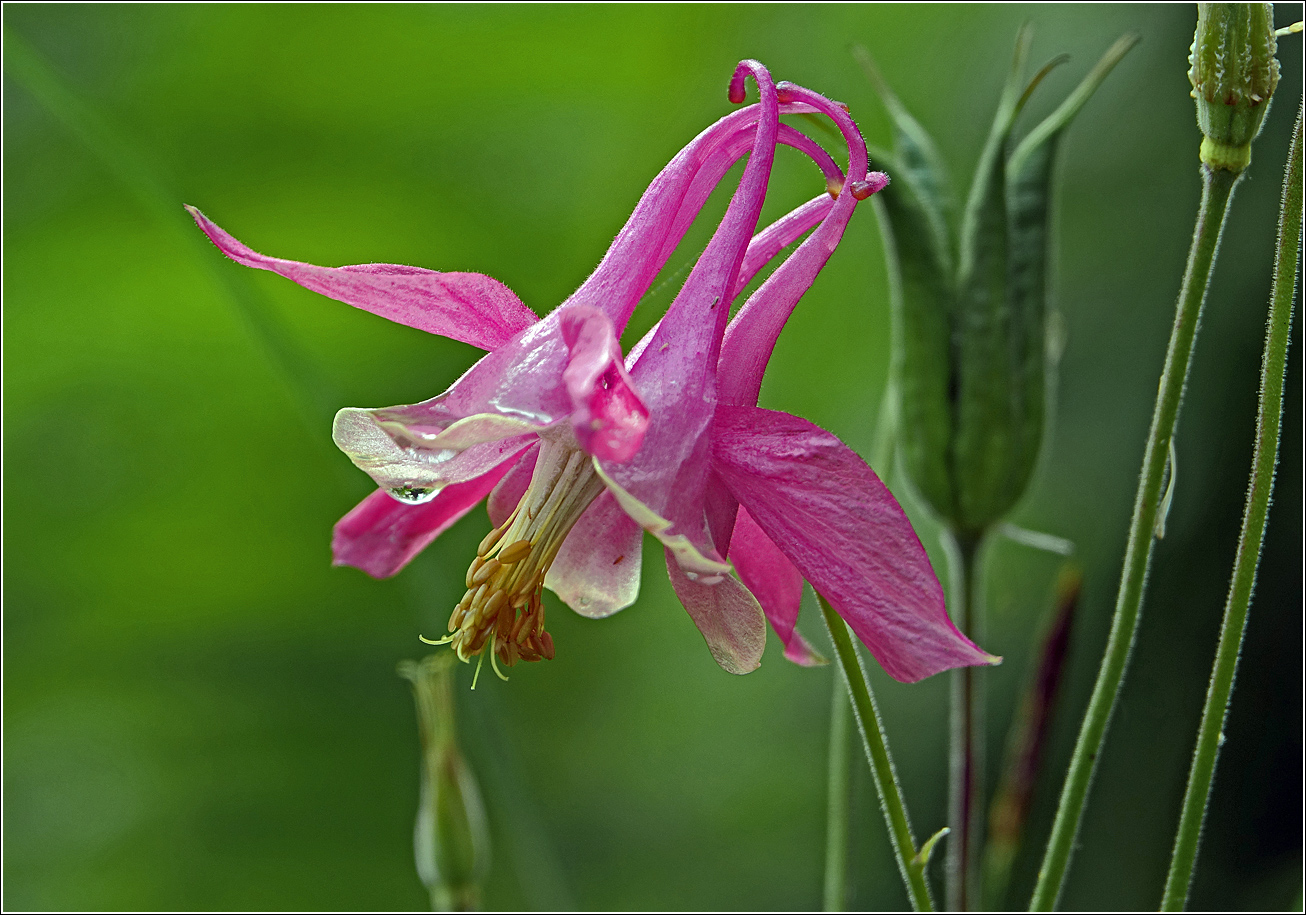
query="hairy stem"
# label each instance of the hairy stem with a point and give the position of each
(1269, 417)
(1217, 191)
(910, 865)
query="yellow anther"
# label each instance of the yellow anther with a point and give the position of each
(515, 552)
(478, 597)
(502, 612)
(484, 572)
(472, 570)
(490, 540)
(496, 603)
(519, 627)
(505, 620)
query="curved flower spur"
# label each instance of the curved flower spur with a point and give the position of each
(579, 451)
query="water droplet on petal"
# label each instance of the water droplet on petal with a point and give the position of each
(414, 495)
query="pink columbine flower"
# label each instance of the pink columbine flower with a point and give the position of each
(579, 450)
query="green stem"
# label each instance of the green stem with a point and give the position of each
(838, 799)
(1217, 191)
(966, 751)
(1268, 419)
(836, 822)
(910, 864)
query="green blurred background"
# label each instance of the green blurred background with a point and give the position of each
(200, 713)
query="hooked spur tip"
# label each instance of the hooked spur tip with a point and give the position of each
(745, 69)
(874, 183)
(736, 92)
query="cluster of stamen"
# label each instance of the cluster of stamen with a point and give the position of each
(503, 608)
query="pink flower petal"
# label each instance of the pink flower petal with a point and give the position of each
(688, 541)
(505, 497)
(609, 418)
(727, 615)
(469, 307)
(730, 150)
(568, 365)
(662, 216)
(847, 535)
(781, 234)
(380, 535)
(761, 250)
(776, 584)
(676, 374)
(751, 336)
(596, 573)
(403, 452)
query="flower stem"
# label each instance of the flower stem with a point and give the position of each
(836, 822)
(1217, 191)
(1268, 419)
(910, 864)
(965, 768)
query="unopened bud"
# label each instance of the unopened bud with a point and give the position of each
(451, 839)
(1234, 73)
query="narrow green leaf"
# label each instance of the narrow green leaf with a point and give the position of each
(1028, 203)
(916, 157)
(984, 374)
(921, 295)
(923, 856)
(980, 201)
(1167, 498)
(1052, 126)
(1039, 77)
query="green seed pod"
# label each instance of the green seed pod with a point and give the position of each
(1234, 72)
(451, 839)
(971, 352)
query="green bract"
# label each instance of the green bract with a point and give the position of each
(971, 331)
(451, 839)
(1233, 71)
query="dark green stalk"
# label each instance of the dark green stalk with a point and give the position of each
(1266, 455)
(1027, 741)
(837, 806)
(1217, 191)
(910, 864)
(966, 751)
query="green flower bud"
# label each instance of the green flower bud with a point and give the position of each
(1234, 72)
(972, 348)
(451, 840)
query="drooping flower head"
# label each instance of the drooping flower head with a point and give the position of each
(578, 451)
